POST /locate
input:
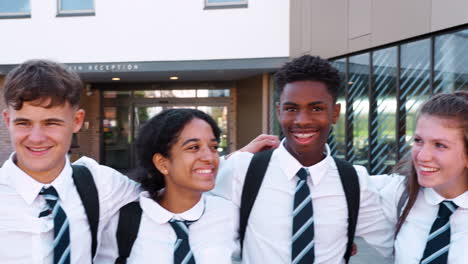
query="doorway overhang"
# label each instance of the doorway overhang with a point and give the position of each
(157, 71)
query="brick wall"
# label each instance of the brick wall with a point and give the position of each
(89, 140)
(5, 142)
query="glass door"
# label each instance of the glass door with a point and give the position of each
(124, 113)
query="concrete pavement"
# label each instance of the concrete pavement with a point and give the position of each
(366, 254)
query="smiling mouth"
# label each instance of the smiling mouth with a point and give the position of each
(38, 150)
(303, 135)
(427, 169)
(204, 171)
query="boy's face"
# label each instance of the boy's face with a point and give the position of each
(306, 112)
(42, 136)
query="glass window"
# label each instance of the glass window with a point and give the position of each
(182, 93)
(357, 109)
(451, 60)
(116, 94)
(212, 93)
(116, 136)
(167, 94)
(382, 144)
(274, 125)
(147, 94)
(220, 115)
(225, 3)
(380, 120)
(14, 8)
(337, 137)
(73, 7)
(415, 88)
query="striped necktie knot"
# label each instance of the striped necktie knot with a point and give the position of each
(51, 197)
(182, 251)
(302, 174)
(49, 191)
(446, 209)
(180, 228)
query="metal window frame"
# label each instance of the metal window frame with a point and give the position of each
(373, 104)
(372, 115)
(344, 87)
(68, 13)
(348, 136)
(432, 62)
(227, 4)
(401, 126)
(401, 122)
(350, 119)
(9, 15)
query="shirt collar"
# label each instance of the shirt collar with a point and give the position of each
(290, 165)
(160, 215)
(432, 197)
(64, 181)
(28, 188)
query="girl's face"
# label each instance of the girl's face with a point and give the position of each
(439, 156)
(194, 159)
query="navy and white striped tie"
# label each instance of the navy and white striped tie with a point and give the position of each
(61, 228)
(182, 252)
(438, 242)
(303, 222)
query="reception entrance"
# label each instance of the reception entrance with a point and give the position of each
(125, 113)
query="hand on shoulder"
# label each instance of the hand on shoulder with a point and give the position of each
(260, 143)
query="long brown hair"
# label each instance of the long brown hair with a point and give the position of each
(451, 106)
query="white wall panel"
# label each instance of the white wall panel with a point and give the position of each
(399, 19)
(329, 28)
(359, 43)
(339, 27)
(359, 18)
(148, 30)
(448, 13)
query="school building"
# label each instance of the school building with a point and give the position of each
(219, 56)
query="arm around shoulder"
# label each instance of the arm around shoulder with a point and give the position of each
(231, 176)
(114, 189)
(372, 224)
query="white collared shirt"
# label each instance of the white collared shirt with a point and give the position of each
(26, 238)
(212, 237)
(269, 231)
(411, 240)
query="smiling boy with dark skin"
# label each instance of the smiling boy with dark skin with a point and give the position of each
(302, 167)
(306, 119)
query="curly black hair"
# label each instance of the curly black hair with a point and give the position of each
(157, 136)
(308, 68)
